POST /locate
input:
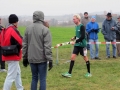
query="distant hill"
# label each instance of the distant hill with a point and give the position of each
(60, 17)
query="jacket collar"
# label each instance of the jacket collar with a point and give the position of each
(11, 25)
(109, 20)
(41, 22)
(92, 22)
(86, 18)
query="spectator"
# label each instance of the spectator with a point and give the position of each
(84, 21)
(2, 69)
(109, 33)
(12, 38)
(117, 28)
(93, 29)
(37, 50)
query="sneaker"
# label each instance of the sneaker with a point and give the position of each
(3, 70)
(108, 57)
(97, 58)
(66, 75)
(88, 75)
(114, 57)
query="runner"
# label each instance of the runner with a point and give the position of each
(79, 47)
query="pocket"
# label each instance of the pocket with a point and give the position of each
(105, 37)
(114, 35)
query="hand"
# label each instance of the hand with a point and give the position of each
(25, 62)
(72, 43)
(72, 39)
(96, 30)
(92, 30)
(50, 65)
(112, 28)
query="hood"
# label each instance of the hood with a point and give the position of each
(38, 16)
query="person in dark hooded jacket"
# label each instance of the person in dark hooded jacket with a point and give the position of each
(37, 50)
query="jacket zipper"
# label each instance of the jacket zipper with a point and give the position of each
(93, 32)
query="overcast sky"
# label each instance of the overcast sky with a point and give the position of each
(57, 7)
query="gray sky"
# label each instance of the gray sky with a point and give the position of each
(57, 7)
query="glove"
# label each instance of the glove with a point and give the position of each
(50, 65)
(93, 30)
(25, 62)
(96, 30)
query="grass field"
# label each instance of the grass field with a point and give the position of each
(106, 75)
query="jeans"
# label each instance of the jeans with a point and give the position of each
(118, 48)
(93, 53)
(113, 47)
(39, 71)
(13, 74)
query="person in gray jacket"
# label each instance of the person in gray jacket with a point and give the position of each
(37, 50)
(108, 30)
(85, 20)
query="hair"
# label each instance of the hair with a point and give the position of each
(45, 23)
(77, 16)
(85, 13)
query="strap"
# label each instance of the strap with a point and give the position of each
(16, 31)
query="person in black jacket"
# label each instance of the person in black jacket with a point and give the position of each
(117, 28)
(2, 63)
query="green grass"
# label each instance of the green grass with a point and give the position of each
(105, 73)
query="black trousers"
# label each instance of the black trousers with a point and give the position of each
(2, 63)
